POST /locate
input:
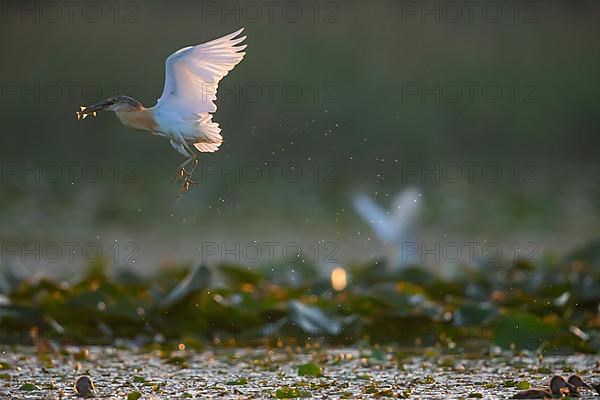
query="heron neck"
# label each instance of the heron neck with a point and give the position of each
(142, 119)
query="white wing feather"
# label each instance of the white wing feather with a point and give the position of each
(393, 225)
(191, 79)
(397, 227)
(407, 207)
(193, 74)
(376, 217)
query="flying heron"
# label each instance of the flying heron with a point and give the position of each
(182, 114)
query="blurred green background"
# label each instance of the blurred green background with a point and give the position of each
(356, 123)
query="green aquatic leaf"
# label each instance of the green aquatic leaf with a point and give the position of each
(290, 393)
(312, 320)
(197, 278)
(239, 381)
(309, 369)
(134, 396)
(523, 330)
(29, 387)
(237, 275)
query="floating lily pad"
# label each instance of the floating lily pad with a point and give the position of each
(290, 393)
(134, 396)
(309, 369)
(29, 387)
(239, 381)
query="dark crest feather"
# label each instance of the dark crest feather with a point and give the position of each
(127, 100)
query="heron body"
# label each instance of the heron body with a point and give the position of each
(183, 113)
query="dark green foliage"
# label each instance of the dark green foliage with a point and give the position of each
(550, 307)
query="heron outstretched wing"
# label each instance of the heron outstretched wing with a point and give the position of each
(193, 73)
(378, 218)
(393, 225)
(406, 209)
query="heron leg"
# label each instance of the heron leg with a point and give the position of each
(194, 163)
(181, 171)
(186, 175)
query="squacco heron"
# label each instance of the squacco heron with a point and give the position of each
(182, 114)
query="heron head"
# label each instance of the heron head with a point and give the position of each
(115, 103)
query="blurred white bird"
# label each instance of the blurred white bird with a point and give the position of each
(396, 227)
(183, 112)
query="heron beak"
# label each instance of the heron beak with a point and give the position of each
(93, 109)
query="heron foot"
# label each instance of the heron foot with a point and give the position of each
(186, 186)
(182, 173)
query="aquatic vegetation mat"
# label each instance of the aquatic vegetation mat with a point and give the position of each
(551, 306)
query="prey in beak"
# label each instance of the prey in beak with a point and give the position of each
(93, 109)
